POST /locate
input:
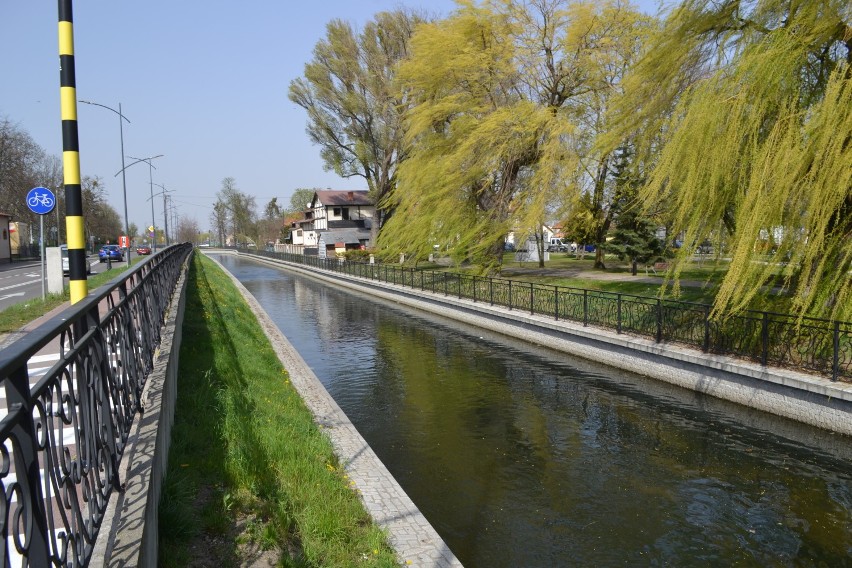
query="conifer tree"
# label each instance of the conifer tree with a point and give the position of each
(635, 234)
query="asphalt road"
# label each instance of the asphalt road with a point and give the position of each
(21, 281)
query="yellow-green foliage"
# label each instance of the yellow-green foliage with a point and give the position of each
(744, 114)
(354, 112)
(500, 123)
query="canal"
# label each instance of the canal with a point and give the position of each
(522, 456)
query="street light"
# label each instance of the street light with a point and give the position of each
(151, 182)
(165, 215)
(121, 117)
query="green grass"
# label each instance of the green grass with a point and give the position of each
(248, 467)
(700, 278)
(18, 315)
(562, 269)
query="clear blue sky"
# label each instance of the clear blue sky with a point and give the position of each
(202, 82)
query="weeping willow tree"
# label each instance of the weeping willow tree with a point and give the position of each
(499, 92)
(743, 112)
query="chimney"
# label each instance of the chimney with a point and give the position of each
(351, 196)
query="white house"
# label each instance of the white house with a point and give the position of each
(344, 216)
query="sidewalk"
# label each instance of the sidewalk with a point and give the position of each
(26, 263)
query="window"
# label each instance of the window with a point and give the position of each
(342, 212)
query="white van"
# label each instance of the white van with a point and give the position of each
(558, 245)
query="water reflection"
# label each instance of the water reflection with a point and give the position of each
(524, 457)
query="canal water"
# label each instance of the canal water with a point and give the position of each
(523, 457)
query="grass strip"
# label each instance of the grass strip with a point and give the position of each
(250, 474)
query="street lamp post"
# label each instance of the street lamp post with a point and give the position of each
(121, 118)
(151, 184)
(165, 215)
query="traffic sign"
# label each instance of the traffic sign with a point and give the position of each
(41, 200)
(123, 241)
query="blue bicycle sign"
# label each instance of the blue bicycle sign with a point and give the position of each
(41, 200)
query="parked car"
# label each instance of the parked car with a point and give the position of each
(66, 268)
(110, 252)
(143, 249)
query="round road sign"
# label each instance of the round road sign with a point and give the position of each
(41, 200)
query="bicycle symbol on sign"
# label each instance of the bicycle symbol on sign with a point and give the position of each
(43, 199)
(40, 200)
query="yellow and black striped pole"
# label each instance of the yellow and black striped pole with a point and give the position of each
(71, 156)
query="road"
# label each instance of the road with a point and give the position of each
(21, 281)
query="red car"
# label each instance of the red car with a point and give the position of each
(143, 250)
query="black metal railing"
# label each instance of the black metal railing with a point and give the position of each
(64, 430)
(779, 340)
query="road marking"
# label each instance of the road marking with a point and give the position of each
(43, 358)
(7, 296)
(18, 285)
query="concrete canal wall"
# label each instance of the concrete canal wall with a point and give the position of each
(809, 399)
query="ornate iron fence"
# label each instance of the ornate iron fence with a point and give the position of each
(63, 436)
(779, 340)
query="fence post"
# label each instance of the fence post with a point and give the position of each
(510, 294)
(706, 346)
(764, 339)
(26, 464)
(474, 289)
(659, 320)
(585, 308)
(556, 302)
(835, 364)
(618, 316)
(532, 299)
